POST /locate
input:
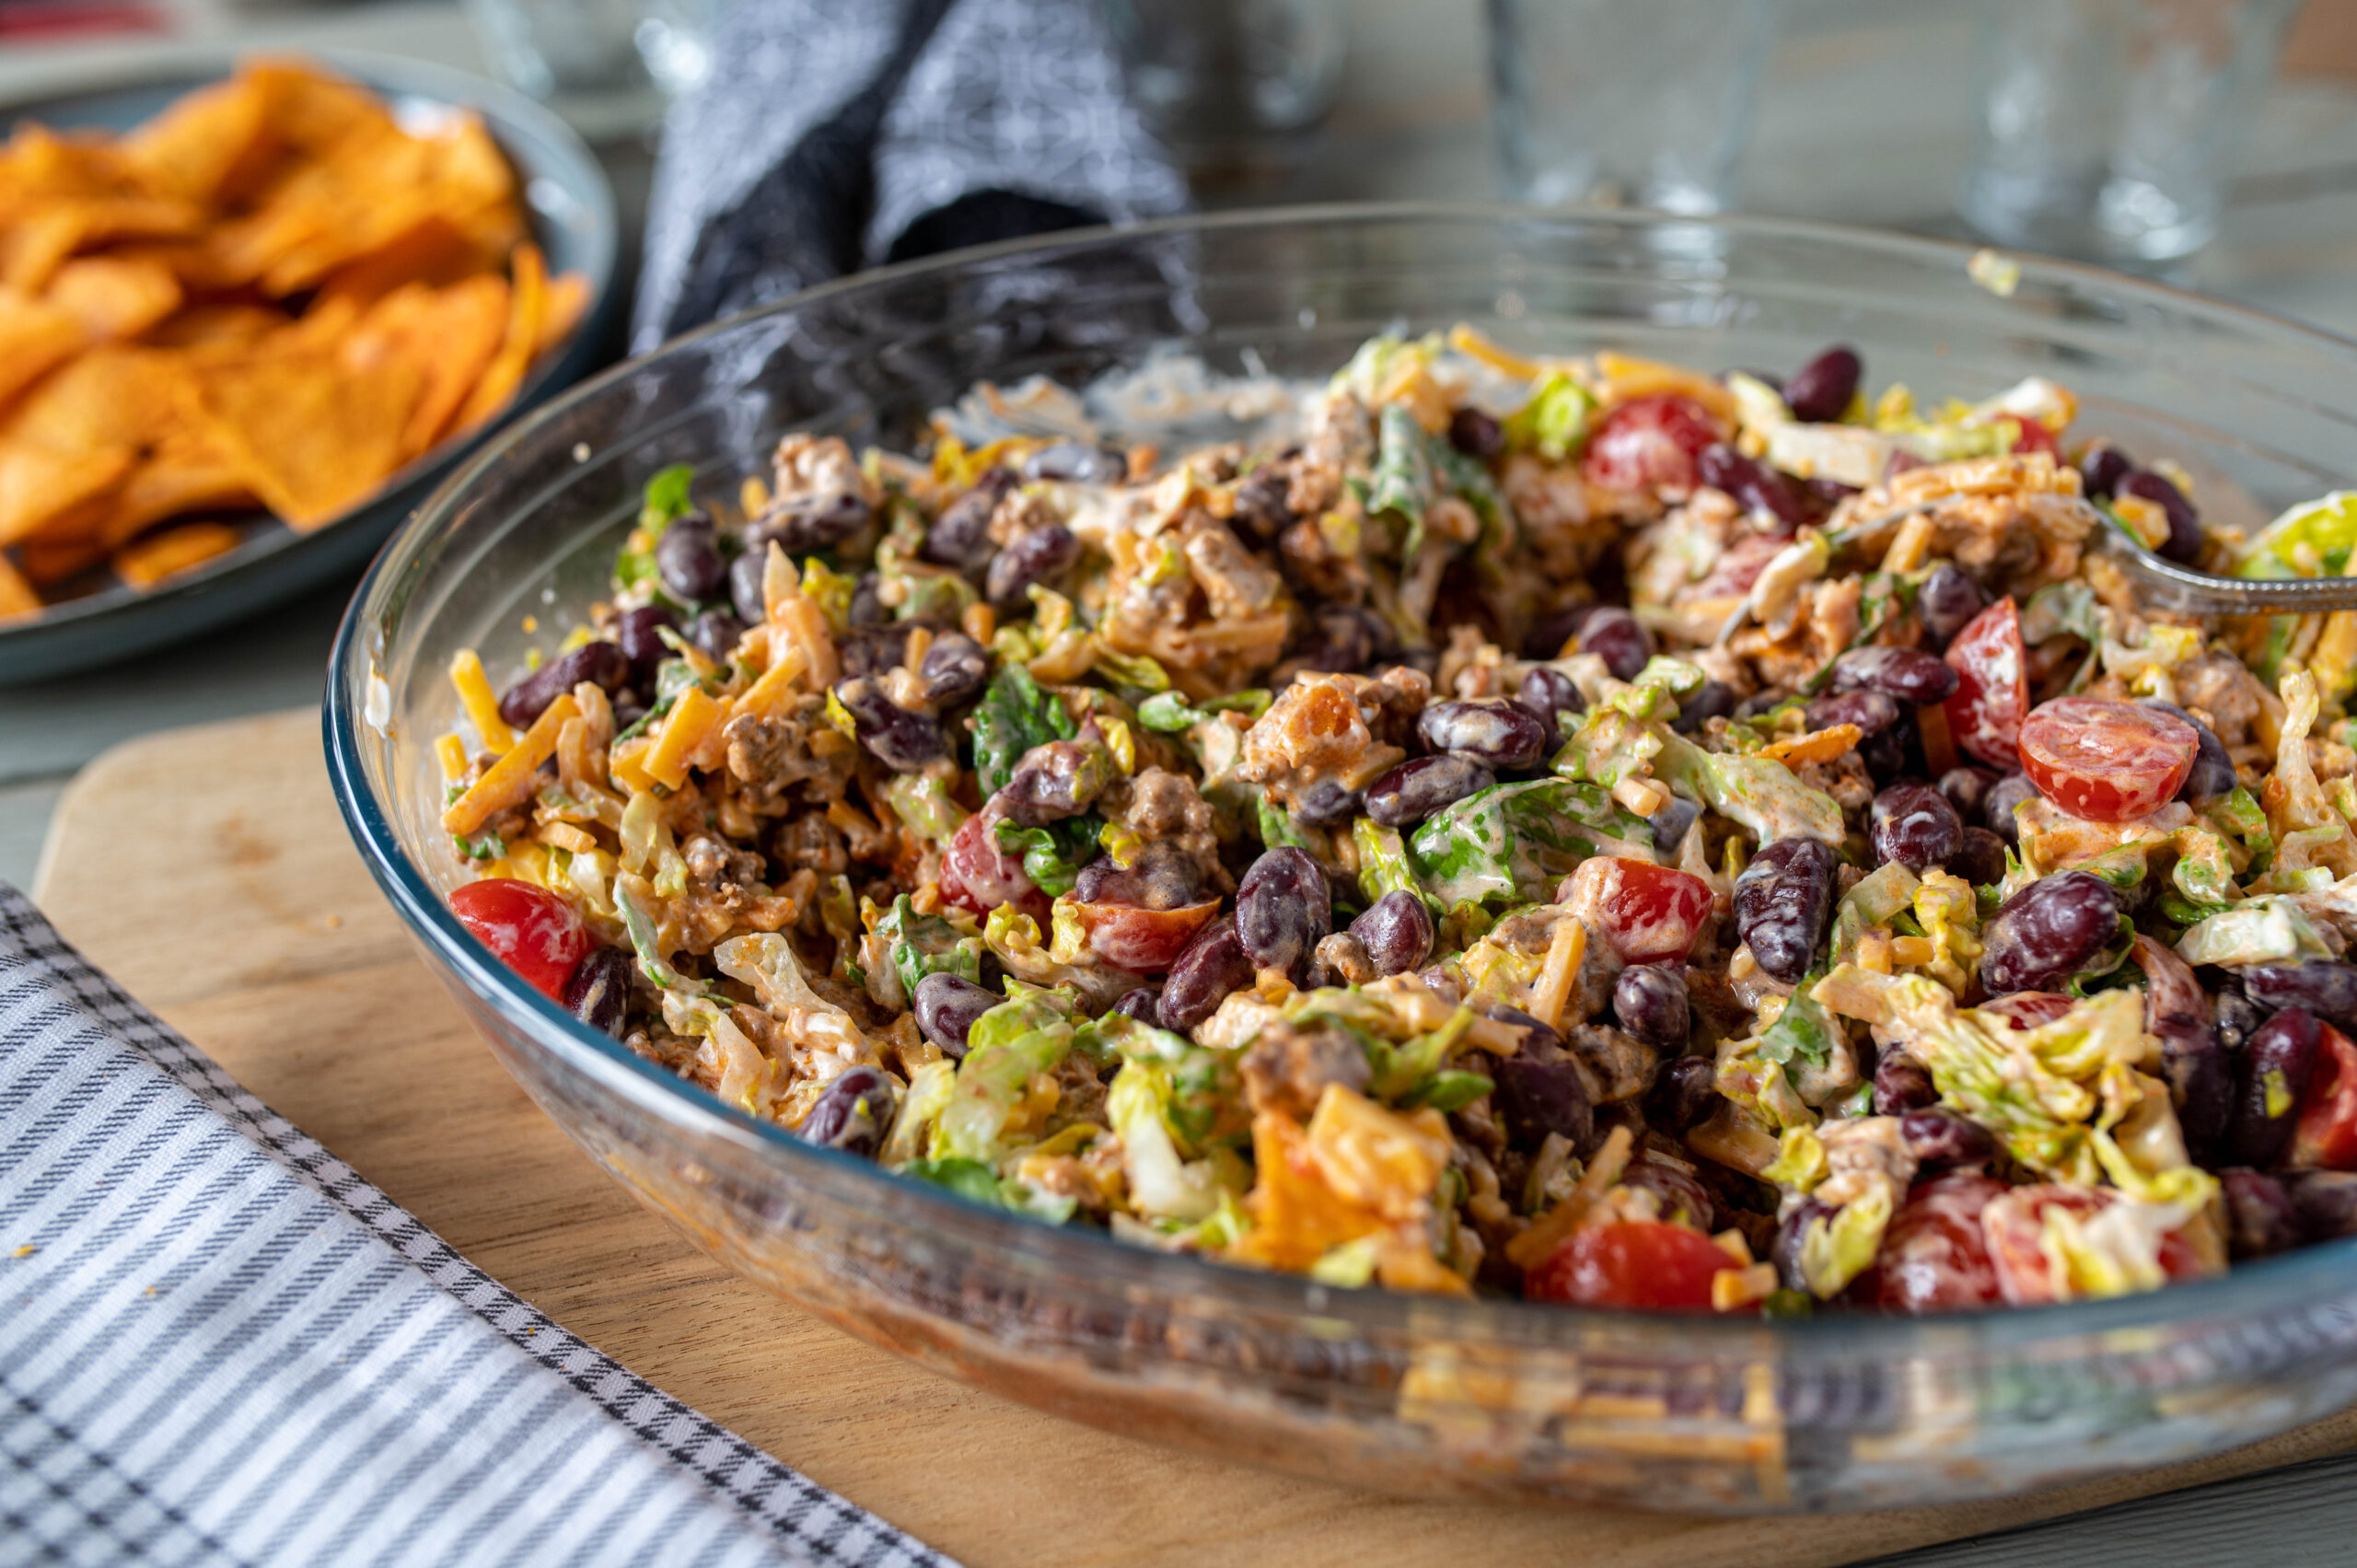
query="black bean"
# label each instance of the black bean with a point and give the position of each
(1939, 1138)
(954, 668)
(2275, 1068)
(1714, 701)
(1650, 1001)
(2048, 931)
(688, 560)
(1819, 391)
(1213, 965)
(1755, 485)
(1138, 1004)
(1783, 901)
(1981, 860)
(2261, 1218)
(2201, 1082)
(2101, 467)
(745, 577)
(1476, 434)
(1422, 785)
(2184, 543)
(2327, 989)
(1872, 711)
(960, 536)
(1551, 693)
(1283, 908)
(714, 634)
(638, 634)
(1902, 1085)
(1947, 601)
(1397, 932)
(808, 522)
(1534, 1099)
(1328, 803)
(1261, 510)
(1619, 639)
(1034, 557)
(901, 740)
(2213, 774)
(1502, 736)
(1685, 1094)
(602, 664)
(854, 1113)
(1670, 824)
(1054, 780)
(598, 992)
(2326, 1202)
(1083, 464)
(946, 1006)
(1914, 825)
(1966, 788)
(2238, 1016)
(1911, 675)
(1997, 808)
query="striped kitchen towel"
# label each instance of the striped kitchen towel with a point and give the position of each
(219, 1346)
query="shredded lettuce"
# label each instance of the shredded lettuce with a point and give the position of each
(1020, 1038)
(1053, 855)
(1169, 712)
(2272, 929)
(1013, 715)
(1553, 424)
(1383, 862)
(1507, 844)
(1760, 792)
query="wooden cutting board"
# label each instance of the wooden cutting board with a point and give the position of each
(208, 871)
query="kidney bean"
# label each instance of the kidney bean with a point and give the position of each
(1941, 1139)
(1074, 462)
(1503, 736)
(1618, 638)
(1785, 1251)
(1283, 908)
(2325, 988)
(1947, 602)
(853, 1113)
(1828, 492)
(1533, 1098)
(2275, 1068)
(1980, 861)
(1912, 676)
(2101, 467)
(2201, 1082)
(872, 650)
(1671, 822)
(1213, 965)
(960, 536)
(598, 990)
(746, 574)
(1548, 636)
(2213, 774)
(1914, 825)
(1160, 876)
(1650, 1001)
(603, 664)
(808, 522)
(2261, 1218)
(1997, 807)
(1549, 693)
(1397, 932)
(1034, 557)
(1138, 1004)
(1422, 785)
(1783, 901)
(714, 634)
(2184, 543)
(1902, 1085)
(901, 740)
(2048, 931)
(1819, 391)
(953, 669)
(1538, 1039)
(1328, 803)
(637, 634)
(1054, 780)
(946, 1006)
(1872, 711)
(1714, 701)
(2238, 1018)
(2326, 1202)
(1476, 434)
(1261, 508)
(1755, 485)
(867, 601)
(1685, 1094)
(688, 560)
(1894, 754)
(1966, 788)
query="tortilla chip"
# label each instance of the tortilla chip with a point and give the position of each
(433, 250)
(48, 561)
(527, 304)
(206, 145)
(449, 334)
(568, 298)
(114, 297)
(35, 337)
(38, 483)
(217, 326)
(187, 473)
(16, 596)
(172, 551)
(310, 437)
(113, 396)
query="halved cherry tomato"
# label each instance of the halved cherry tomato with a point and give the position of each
(1991, 695)
(2014, 1227)
(978, 874)
(2027, 1009)
(2326, 1133)
(1631, 1263)
(1650, 913)
(2035, 438)
(532, 930)
(1650, 442)
(1142, 941)
(1934, 1257)
(2107, 761)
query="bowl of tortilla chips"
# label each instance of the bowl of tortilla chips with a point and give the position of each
(248, 316)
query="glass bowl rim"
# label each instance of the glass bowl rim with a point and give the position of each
(2305, 1275)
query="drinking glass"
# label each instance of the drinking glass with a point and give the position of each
(2107, 127)
(1215, 71)
(1615, 103)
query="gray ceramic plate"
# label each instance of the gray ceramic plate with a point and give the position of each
(571, 208)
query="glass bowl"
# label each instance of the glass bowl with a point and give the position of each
(1400, 1392)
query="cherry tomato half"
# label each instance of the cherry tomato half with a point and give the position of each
(1934, 1257)
(2014, 1226)
(1991, 695)
(1142, 941)
(1650, 443)
(2326, 1133)
(1650, 913)
(532, 930)
(2035, 438)
(978, 874)
(2107, 761)
(2025, 1010)
(1631, 1263)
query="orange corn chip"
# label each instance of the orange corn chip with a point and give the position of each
(449, 334)
(507, 368)
(434, 252)
(217, 326)
(38, 483)
(568, 298)
(51, 561)
(206, 144)
(310, 437)
(35, 336)
(112, 396)
(172, 551)
(185, 474)
(16, 596)
(115, 297)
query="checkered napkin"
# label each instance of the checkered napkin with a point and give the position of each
(219, 1346)
(837, 135)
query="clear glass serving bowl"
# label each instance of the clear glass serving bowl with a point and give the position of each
(1396, 1391)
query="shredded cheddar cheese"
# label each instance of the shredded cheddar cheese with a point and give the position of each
(695, 718)
(509, 782)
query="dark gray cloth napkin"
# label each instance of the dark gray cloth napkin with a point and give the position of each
(837, 135)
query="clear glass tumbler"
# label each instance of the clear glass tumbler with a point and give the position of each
(2107, 126)
(1210, 72)
(1639, 103)
(605, 61)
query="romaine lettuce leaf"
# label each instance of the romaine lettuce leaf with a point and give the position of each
(1507, 844)
(1013, 715)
